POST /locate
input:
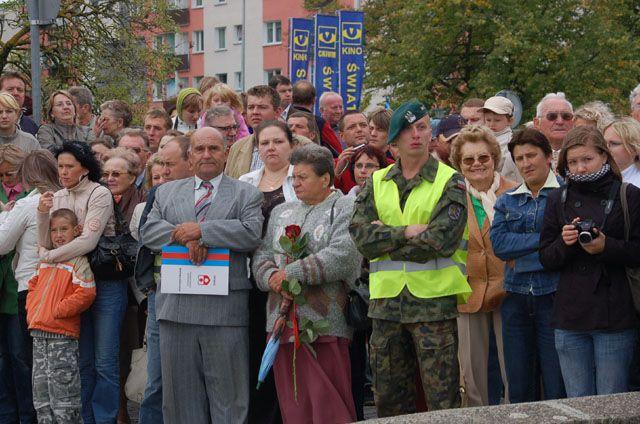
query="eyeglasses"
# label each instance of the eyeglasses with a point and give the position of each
(229, 128)
(471, 160)
(134, 149)
(366, 166)
(566, 116)
(114, 174)
(9, 174)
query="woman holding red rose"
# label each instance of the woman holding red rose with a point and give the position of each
(323, 215)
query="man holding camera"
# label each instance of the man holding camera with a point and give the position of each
(527, 309)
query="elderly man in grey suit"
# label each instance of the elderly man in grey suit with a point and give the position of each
(204, 342)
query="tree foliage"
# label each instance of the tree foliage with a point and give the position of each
(97, 43)
(444, 51)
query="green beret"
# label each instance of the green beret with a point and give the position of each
(404, 116)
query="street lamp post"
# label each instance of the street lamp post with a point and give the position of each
(41, 13)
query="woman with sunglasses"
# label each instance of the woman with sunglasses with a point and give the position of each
(583, 237)
(475, 152)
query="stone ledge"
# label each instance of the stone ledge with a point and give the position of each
(620, 408)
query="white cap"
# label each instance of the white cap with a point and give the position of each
(499, 105)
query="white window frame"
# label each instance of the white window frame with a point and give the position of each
(223, 77)
(219, 2)
(197, 40)
(271, 29)
(238, 36)
(237, 77)
(218, 31)
(197, 4)
(268, 73)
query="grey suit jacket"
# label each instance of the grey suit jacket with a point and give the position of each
(234, 222)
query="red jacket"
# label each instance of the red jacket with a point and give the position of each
(58, 294)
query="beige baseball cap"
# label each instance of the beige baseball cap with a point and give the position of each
(499, 105)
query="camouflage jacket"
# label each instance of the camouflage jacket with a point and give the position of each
(441, 239)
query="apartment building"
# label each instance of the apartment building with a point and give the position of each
(241, 42)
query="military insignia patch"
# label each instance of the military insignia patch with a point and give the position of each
(454, 211)
(410, 117)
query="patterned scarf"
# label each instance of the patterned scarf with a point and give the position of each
(587, 178)
(488, 198)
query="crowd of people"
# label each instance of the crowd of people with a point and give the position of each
(498, 264)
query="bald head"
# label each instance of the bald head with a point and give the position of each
(207, 153)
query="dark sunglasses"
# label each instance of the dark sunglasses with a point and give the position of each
(471, 160)
(552, 116)
(114, 174)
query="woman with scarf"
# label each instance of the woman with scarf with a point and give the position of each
(476, 154)
(62, 126)
(583, 237)
(121, 166)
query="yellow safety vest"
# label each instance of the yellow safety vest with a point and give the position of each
(436, 278)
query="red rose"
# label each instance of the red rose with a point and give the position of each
(292, 232)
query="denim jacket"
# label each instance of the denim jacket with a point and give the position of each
(515, 236)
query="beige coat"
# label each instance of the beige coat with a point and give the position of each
(485, 271)
(96, 217)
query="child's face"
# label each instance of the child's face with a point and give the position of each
(191, 114)
(496, 122)
(217, 101)
(62, 231)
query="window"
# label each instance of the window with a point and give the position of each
(198, 41)
(237, 76)
(196, 3)
(166, 42)
(157, 91)
(273, 32)
(237, 32)
(219, 2)
(178, 4)
(221, 35)
(269, 73)
(183, 82)
(222, 78)
(181, 43)
(196, 81)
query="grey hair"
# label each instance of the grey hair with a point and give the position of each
(217, 112)
(596, 111)
(192, 137)
(82, 95)
(320, 159)
(327, 94)
(550, 96)
(633, 94)
(135, 132)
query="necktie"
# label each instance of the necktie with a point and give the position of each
(203, 203)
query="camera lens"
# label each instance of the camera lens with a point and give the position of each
(585, 237)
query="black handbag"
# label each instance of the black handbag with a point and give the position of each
(358, 306)
(114, 258)
(633, 274)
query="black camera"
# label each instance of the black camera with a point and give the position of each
(586, 230)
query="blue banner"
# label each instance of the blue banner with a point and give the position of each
(351, 57)
(300, 34)
(327, 67)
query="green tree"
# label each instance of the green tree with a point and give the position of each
(103, 44)
(444, 51)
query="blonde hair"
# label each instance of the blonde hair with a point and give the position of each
(474, 134)
(597, 112)
(226, 94)
(10, 102)
(153, 160)
(131, 159)
(628, 129)
(12, 154)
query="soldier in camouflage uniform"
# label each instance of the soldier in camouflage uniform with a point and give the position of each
(413, 313)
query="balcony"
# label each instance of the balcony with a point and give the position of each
(180, 16)
(183, 62)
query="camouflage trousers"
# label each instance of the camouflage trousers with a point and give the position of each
(399, 350)
(56, 380)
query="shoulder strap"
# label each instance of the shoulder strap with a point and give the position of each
(89, 198)
(333, 206)
(625, 209)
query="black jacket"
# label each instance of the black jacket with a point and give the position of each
(593, 293)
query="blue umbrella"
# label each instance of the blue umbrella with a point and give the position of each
(268, 357)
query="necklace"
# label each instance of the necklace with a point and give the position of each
(273, 180)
